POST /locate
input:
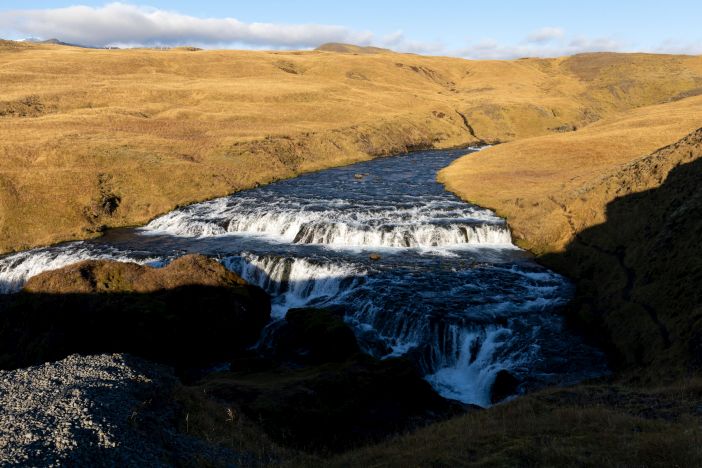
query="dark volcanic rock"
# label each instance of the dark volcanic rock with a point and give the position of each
(319, 393)
(191, 313)
(505, 385)
(313, 336)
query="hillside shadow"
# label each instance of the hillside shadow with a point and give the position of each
(638, 277)
(187, 326)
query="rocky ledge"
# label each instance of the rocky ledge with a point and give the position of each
(191, 313)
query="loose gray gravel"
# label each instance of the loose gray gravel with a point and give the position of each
(104, 410)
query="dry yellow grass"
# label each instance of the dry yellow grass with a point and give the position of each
(93, 138)
(552, 187)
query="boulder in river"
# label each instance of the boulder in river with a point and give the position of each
(504, 386)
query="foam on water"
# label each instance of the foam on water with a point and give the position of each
(380, 229)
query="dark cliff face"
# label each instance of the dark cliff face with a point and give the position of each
(192, 312)
(639, 274)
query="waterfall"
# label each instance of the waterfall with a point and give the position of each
(422, 225)
(296, 282)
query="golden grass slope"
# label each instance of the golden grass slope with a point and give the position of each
(94, 138)
(552, 187)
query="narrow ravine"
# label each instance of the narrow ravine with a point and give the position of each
(417, 271)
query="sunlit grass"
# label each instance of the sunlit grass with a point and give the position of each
(164, 128)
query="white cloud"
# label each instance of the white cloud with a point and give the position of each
(598, 44)
(671, 46)
(126, 24)
(546, 34)
(489, 49)
(397, 41)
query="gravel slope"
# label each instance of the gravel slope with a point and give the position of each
(104, 410)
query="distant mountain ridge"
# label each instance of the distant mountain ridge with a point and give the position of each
(54, 41)
(352, 49)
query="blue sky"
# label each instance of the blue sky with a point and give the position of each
(486, 29)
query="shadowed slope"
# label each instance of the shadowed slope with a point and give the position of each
(638, 274)
(191, 313)
(589, 425)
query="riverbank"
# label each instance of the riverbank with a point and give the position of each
(550, 188)
(615, 208)
(144, 131)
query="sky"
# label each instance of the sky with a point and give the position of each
(487, 29)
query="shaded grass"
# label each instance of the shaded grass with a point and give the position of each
(589, 425)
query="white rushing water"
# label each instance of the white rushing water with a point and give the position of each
(445, 287)
(433, 223)
(296, 282)
(469, 376)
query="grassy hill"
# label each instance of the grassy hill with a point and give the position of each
(96, 138)
(554, 186)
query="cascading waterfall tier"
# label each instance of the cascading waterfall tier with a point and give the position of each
(417, 271)
(396, 219)
(296, 282)
(294, 221)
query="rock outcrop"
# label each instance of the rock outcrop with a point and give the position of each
(319, 393)
(192, 312)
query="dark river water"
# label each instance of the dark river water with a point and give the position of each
(446, 286)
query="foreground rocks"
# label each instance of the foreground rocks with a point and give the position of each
(106, 410)
(317, 392)
(310, 389)
(191, 313)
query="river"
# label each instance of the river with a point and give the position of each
(417, 271)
